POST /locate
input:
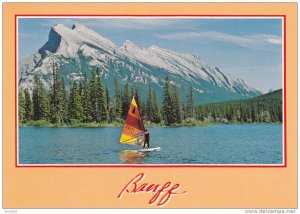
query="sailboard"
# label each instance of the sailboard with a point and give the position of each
(134, 129)
(149, 149)
(143, 150)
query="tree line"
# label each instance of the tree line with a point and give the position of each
(89, 101)
(263, 109)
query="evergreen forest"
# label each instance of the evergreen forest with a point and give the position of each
(90, 103)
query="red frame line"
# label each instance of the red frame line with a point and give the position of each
(284, 91)
(147, 15)
(152, 165)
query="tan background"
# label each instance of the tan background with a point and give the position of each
(227, 187)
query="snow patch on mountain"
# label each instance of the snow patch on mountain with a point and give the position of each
(79, 49)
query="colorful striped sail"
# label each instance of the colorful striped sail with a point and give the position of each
(133, 131)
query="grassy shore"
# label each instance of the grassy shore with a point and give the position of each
(46, 124)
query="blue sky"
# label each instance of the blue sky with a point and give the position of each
(250, 49)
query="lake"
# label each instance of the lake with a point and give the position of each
(214, 144)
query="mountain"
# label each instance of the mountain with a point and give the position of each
(80, 49)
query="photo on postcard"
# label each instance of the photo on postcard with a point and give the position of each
(188, 91)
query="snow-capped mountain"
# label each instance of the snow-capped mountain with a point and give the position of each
(80, 49)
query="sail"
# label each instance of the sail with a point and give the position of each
(133, 131)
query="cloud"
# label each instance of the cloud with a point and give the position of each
(257, 41)
(131, 23)
(49, 22)
(116, 23)
(272, 39)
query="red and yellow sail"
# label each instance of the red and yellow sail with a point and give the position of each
(133, 131)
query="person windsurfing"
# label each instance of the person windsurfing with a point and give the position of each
(134, 131)
(147, 139)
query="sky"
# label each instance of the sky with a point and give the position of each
(246, 48)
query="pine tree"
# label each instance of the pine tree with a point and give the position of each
(75, 108)
(54, 95)
(98, 101)
(21, 107)
(177, 107)
(142, 107)
(139, 101)
(190, 103)
(101, 100)
(110, 113)
(126, 100)
(118, 99)
(168, 103)
(57, 97)
(80, 89)
(150, 106)
(107, 97)
(156, 114)
(39, 99)
(28, 106)
(95, 113)
(86, 100)
(184, 112)
(63, 105)
(45, 105)
(94, 100)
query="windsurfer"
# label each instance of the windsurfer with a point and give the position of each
(147, 139)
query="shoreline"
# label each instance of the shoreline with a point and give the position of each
(115, 124)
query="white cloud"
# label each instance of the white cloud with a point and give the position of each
(131, 23)
(272, 39)
(257, 41)
(116, 23)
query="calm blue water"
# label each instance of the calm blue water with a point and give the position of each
(216, 144)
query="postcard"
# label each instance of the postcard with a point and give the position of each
(150, 105)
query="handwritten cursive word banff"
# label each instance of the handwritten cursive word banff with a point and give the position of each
(162, 192)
